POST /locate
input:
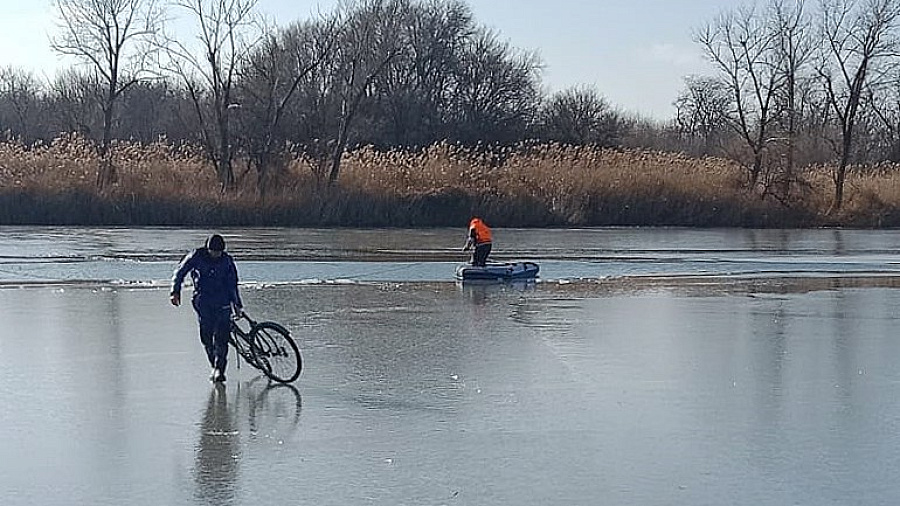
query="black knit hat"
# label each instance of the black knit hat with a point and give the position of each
(215, 243)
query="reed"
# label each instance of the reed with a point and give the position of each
(443, 185)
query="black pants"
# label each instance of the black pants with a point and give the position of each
(479, 256)
(215, 329)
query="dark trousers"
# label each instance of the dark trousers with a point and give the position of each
(215, 329)
(479, 256)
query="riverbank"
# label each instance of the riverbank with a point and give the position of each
(444, 185)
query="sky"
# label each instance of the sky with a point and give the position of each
(635, 53)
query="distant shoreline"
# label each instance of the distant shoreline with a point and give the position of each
(546, 186)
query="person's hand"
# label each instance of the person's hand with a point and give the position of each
(175, 299)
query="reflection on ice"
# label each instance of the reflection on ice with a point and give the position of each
(480, 288)
(262, 410)
(252, 413)
(273, 409)
(218, 452)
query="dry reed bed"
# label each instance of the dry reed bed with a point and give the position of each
(527, 185)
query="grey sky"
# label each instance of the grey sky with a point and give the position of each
(634, 52)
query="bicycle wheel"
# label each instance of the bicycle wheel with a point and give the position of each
(275, 346)
(248, 351)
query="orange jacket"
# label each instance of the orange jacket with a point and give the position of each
(479, 231)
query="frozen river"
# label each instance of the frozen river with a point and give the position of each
(651, 367)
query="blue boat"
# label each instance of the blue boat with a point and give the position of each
(498, 271)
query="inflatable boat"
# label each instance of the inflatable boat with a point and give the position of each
(498, 271)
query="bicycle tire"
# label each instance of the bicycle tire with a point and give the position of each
(277, 348)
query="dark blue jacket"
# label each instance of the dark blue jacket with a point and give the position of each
(215, 279)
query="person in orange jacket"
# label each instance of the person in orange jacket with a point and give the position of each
(480, 237)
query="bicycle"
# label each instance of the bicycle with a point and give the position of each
(268, 347)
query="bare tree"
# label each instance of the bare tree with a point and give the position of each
(408, 74)
(859, 39)
(701, 113)
(370, 36)
(74, 98)
(495, 90)
(414, 92)
(883, 119)
(793, 51)
(20, 95)
(155, 110)
(740, 44)
(226, 31)
(112, 38)
(271, 78)
(580, 115)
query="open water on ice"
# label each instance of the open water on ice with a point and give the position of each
(146, 256)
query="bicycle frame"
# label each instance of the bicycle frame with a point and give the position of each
(267, 346)
(245, 347)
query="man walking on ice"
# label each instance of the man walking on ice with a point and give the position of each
(215, 298)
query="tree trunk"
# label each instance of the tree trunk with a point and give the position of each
(226, 174)
(840, 176)
(756, 169)
(225, 168)
(338, 152)
(106, 173)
